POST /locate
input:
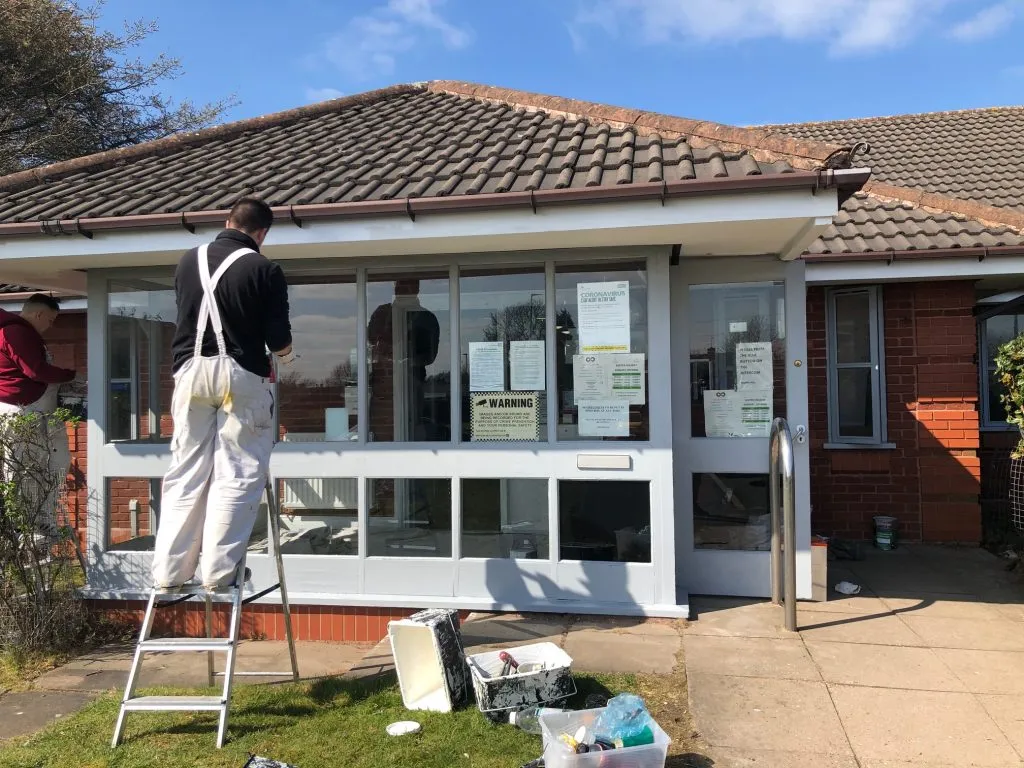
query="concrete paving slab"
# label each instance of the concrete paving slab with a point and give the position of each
(970, 635)
(943, 606)
(732, 758)
(24, 713)
(750, 714)
(628, 625)
(497, 630)
(929, 764)
(883, 666)
(1008, 713)
(986, 671)
(1010, 611)
(749, 657)
(605, 651)
(862, 604)
(737, 618)
(920, 726)
(855, 628)
(378, 663)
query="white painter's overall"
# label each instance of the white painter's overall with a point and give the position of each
(220, 455)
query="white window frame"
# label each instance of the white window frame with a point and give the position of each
(985, 418)
(878, 435)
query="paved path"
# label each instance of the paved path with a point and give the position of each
(923, 669)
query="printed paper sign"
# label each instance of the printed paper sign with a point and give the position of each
(737, 414)
(603, 418)
(754, 366)
(609, 377)
(526, 363)
(603, 316)
(486, 366)
(505, 416)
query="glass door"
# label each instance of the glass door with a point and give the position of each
(742, 324)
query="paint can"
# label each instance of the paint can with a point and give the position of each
(885, 531)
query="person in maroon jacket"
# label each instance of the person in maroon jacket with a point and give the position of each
(29, 383)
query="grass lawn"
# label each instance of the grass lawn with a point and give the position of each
(328, 722)
(17, 671)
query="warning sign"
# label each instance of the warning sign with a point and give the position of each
(505, 416)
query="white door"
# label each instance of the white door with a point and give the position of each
(739, 360)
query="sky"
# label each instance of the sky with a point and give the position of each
(742, 62)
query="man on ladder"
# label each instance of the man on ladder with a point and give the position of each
(232, 307)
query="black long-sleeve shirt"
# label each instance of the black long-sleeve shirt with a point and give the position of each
(253, 300)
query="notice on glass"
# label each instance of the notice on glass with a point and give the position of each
(609, 377)
(486, 366)
(737, 414)
(603, 316)
(603, 418)
(505, 416)
(526, 364)
(754, 366)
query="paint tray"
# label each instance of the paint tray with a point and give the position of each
(429, 660)
(549, 680)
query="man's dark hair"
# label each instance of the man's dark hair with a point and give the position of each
(42, 300)
(250, 214)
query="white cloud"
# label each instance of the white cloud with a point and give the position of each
(986, 23)
(322, 94)
(369, 46)
(839, 26)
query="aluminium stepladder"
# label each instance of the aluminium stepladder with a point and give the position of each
(210, 644)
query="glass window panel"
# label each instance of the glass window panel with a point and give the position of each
(409, 358)
(319, 516)
(409, 517)
(731, 511)
(141, 322)
(607, 520)
(505, 518)
(998, 330)
(996, 410)
(737, 352)
(318, 392)
(502, 335)
(853, 327)
(856, 417)
(133, 512)
(589, 348)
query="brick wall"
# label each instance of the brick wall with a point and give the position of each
(931, 480)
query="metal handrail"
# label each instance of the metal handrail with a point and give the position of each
(783, 504)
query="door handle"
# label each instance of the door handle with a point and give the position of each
(800, 435)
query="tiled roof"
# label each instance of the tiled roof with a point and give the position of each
(867, 224)
(971, 154)
(407, 142)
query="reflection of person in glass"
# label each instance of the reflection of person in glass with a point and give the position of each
(404, 338)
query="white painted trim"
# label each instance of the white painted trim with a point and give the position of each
(67, 306)
(625, 224)
(906, 270)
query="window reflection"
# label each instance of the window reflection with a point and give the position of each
(601, 352)
(317, 393)
(505, 518)
(319, 516)
(141, 317)
(731, 511)
(409, 358)
(133, 511)
(737, 358)
(606, 520)
(409, 517)
(502, 329)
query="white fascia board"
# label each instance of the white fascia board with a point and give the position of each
(913, 269)
(629, 222)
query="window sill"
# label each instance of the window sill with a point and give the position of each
(997, 428)
(860, 446)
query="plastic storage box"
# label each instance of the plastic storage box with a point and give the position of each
(558, 755)
(429, 660)
(551, 678)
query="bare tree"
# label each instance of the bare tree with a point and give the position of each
(69, 89)
(40, 563)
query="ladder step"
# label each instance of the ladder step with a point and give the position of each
(174, 704)
(175, 644)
